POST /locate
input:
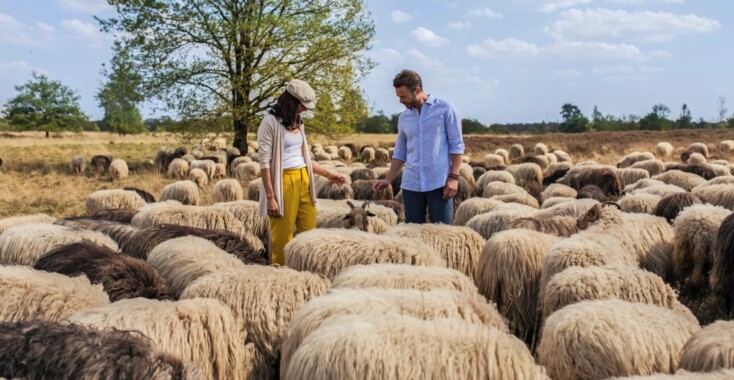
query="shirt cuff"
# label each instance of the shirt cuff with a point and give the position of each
(399, 157)
(459, 150)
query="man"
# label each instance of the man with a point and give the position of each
(430, 146)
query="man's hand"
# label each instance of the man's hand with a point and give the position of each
(380, 185)
(451, 188)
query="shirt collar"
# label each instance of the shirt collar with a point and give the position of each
(430, 99)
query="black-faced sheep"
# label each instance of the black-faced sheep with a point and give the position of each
(121, 276)
(48, 350)
(671, 205)
(101, 163)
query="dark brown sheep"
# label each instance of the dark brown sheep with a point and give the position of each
(672, 204)
(478, 171)
(362, 173)
(550, 178)
(353, 148)
(50, 350)
(101, 163)
(563, 226)
(363, 191)
(121, 276)
(1, 162)
(702, 171)
(115, 215)
(147, 197)
(606, 179)
(146, 239)
(592, 192)
(722, 272)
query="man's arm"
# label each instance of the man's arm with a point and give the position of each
(456, 152)
(399, 158)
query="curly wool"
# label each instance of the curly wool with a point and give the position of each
(600, 339)
(49, 350)
(113, 199)
(639, 203)
(191, 216)
(328, 251)
(722, 374)
(501, 188)
(459, 246)
(186, 192)
(25, 219)
(202, 331)
(263, 300)
(404, 276)
(718, 195)
(423, 305)
(508, 273)
(364, 347)
(629, 176)
(498, 219)
(521, 198)
(29, 294)
(576, 284)
(473, 207)
(710, 349)
(24, 244)
(248, 212)
(685, 181)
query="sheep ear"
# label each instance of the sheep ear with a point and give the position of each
(347, 217)
(365, 204)
(351, 205)
(371, 214)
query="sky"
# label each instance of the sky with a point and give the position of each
(498, 61)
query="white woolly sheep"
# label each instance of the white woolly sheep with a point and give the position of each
(239, 160)
(710, 349)
(493, 161)
(473, 207)
(629, 176)
(641, 203)
(198, 177)
(404, 276)
(424, 305)
(263, 299)
(77, 165)
(554, 201)
(220, 170)
(227, 190)
(496, 220)
(685, 181)
(25, 219)
(718, 195)
(504, 153)
(328, 251)
(208, 166)
(253, 189)
(729, 179)
(501, 188)
(178, 169)
(459, 246)
(211, 218)
(719, 170)
(576, 284)
(699, 148)
(540, 149)
(30, 294)
(695, 230)
(466, 171)
(520, 198)
(248, 213)
(720, 162)
(664, 149)
(118, 170)
(493, 176)
(382, 156)
(364, 347)
(345, 153)
(247, 171)
(573, 207)
(552, 158)
(253, 145)
(696, 159)
(508, 274)
(182, 260)
(562, 156)
(219, 143)
(24, 244)
(600, 339)
(368, 154)
(516, 151)
(202, 331)
(642, 184)
(557, 190)
(529, 176)
(633, 157)
(660, 190)
(186, 192)
(726, 146)
(722, 374)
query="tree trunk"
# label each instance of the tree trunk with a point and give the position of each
(47, 134)
(240, 134)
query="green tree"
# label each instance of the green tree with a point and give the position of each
(45, 105)
(394, 122)
(376, 124)
(120, 96)
(685, 118)
(657, 119)
(573, 120)
(472, 126)
(209, 58)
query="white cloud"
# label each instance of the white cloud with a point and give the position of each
(508, 48)
(19, 69)
(15, 32)
(427, 37)
(84, 30)
(560, 4)
(638, 2)
(43, 27)
(647, 26)
(387, 56)
(400, 16)
(569, 73)
(459, 25)
(424, 60)
(86, 6)
(485, 12)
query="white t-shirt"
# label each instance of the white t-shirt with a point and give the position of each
(292, 154)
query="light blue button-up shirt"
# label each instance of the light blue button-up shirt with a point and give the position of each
(426, 139)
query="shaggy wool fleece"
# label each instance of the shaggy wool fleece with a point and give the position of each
(191, 216)
(25, 219)
(404, 347)
(117, 199)
(29, 294)
(202, 331)
(424, 305)
(710, 349)
(330, 251)
(601, 339)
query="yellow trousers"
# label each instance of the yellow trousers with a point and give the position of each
(299, 212)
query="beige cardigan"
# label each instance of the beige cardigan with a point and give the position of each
(271, 138)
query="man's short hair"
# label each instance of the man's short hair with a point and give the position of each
(409, 79)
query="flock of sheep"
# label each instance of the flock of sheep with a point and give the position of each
(551, 270)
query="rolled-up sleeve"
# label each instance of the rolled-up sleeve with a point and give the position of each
(401, 146)
(453, 131)
(265, 140)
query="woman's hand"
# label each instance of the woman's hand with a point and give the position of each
(336, 178)
(272, 207)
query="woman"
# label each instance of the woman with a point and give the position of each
(287, 194)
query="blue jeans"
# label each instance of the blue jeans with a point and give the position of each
(439, 210)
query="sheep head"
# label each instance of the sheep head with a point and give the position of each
(593, 214)
(358, 217)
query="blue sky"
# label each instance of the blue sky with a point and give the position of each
(496, 61)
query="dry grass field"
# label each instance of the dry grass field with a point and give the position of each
(35, 174)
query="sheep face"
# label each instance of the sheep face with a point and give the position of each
(593, 215)
(358, 217)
